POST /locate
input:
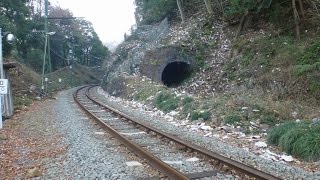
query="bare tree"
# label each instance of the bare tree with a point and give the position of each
(36, 7)
(208, 6)
(180, 6)
(296, 18)
(301, 9)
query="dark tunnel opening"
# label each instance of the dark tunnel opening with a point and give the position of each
(175, 73)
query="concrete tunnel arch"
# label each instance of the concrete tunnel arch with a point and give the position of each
(174, 73)
(170, 66)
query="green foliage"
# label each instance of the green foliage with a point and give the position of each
(141, 96)
(241, 7)
(76, 76)
(288, 139)
(275, 133)
(154, 62)
(299, 139)
(145, 93)
(311, 55)
(237, 7)
(307, 146)
(314, 84)
(198, 46)
(263, 50)
(275, 12)
(252, 131)
(166, 102)
(187, 108)
(188, 105)
(309, 60)
(187, 100)
(269, 119)
(259, 57)
(22, 101)
(34, 59)
(307, 67)
(82, 45)
(13, 19)
(153, 11)
(74, 39)
(205, 115)
(232, 119)
(200, 60)
(299, 70)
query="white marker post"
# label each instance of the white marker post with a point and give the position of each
(3, 91)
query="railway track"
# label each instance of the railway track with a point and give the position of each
(157, 148)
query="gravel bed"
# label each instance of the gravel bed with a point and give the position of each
(90, 154)
(279, 169)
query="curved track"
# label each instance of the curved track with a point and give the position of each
(129, 131)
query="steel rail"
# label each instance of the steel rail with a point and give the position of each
(248, 170)
(151, 159)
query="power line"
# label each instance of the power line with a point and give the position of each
(65, 17)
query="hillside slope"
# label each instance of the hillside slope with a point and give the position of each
(251, 83)
(259, 63)
(26, 84)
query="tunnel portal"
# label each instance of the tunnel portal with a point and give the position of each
(175, 73)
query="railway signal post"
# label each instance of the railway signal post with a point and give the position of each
(3, 82)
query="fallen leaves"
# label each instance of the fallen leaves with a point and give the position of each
(25, 143)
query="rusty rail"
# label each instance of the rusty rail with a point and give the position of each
(240, 167)
(151, 159)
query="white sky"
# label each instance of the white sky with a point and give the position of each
(110, 18)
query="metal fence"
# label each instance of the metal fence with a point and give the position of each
(151, 33)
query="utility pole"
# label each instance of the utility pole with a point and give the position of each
(47, 36)
(46, 16)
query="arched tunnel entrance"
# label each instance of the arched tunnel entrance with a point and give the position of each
(175, 73)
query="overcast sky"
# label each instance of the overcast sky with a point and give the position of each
(110, 18)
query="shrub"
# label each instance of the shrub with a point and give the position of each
(187, 100)
(166, 102)
(252, 131)
(306, 68)
(299, 139)
(269, 119)
(311, 55)
(187, 108)
(307, 147)
(238, 7)
(22, 101)
(275, 133)
(232, 119)
(287, 141)
(141, 95)
(205, 115)
(314, 84)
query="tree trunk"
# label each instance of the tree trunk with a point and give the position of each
(242, 22)
(180, 6)
(301, 9)
(208, 6)
(296, 18)
(221, 7)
